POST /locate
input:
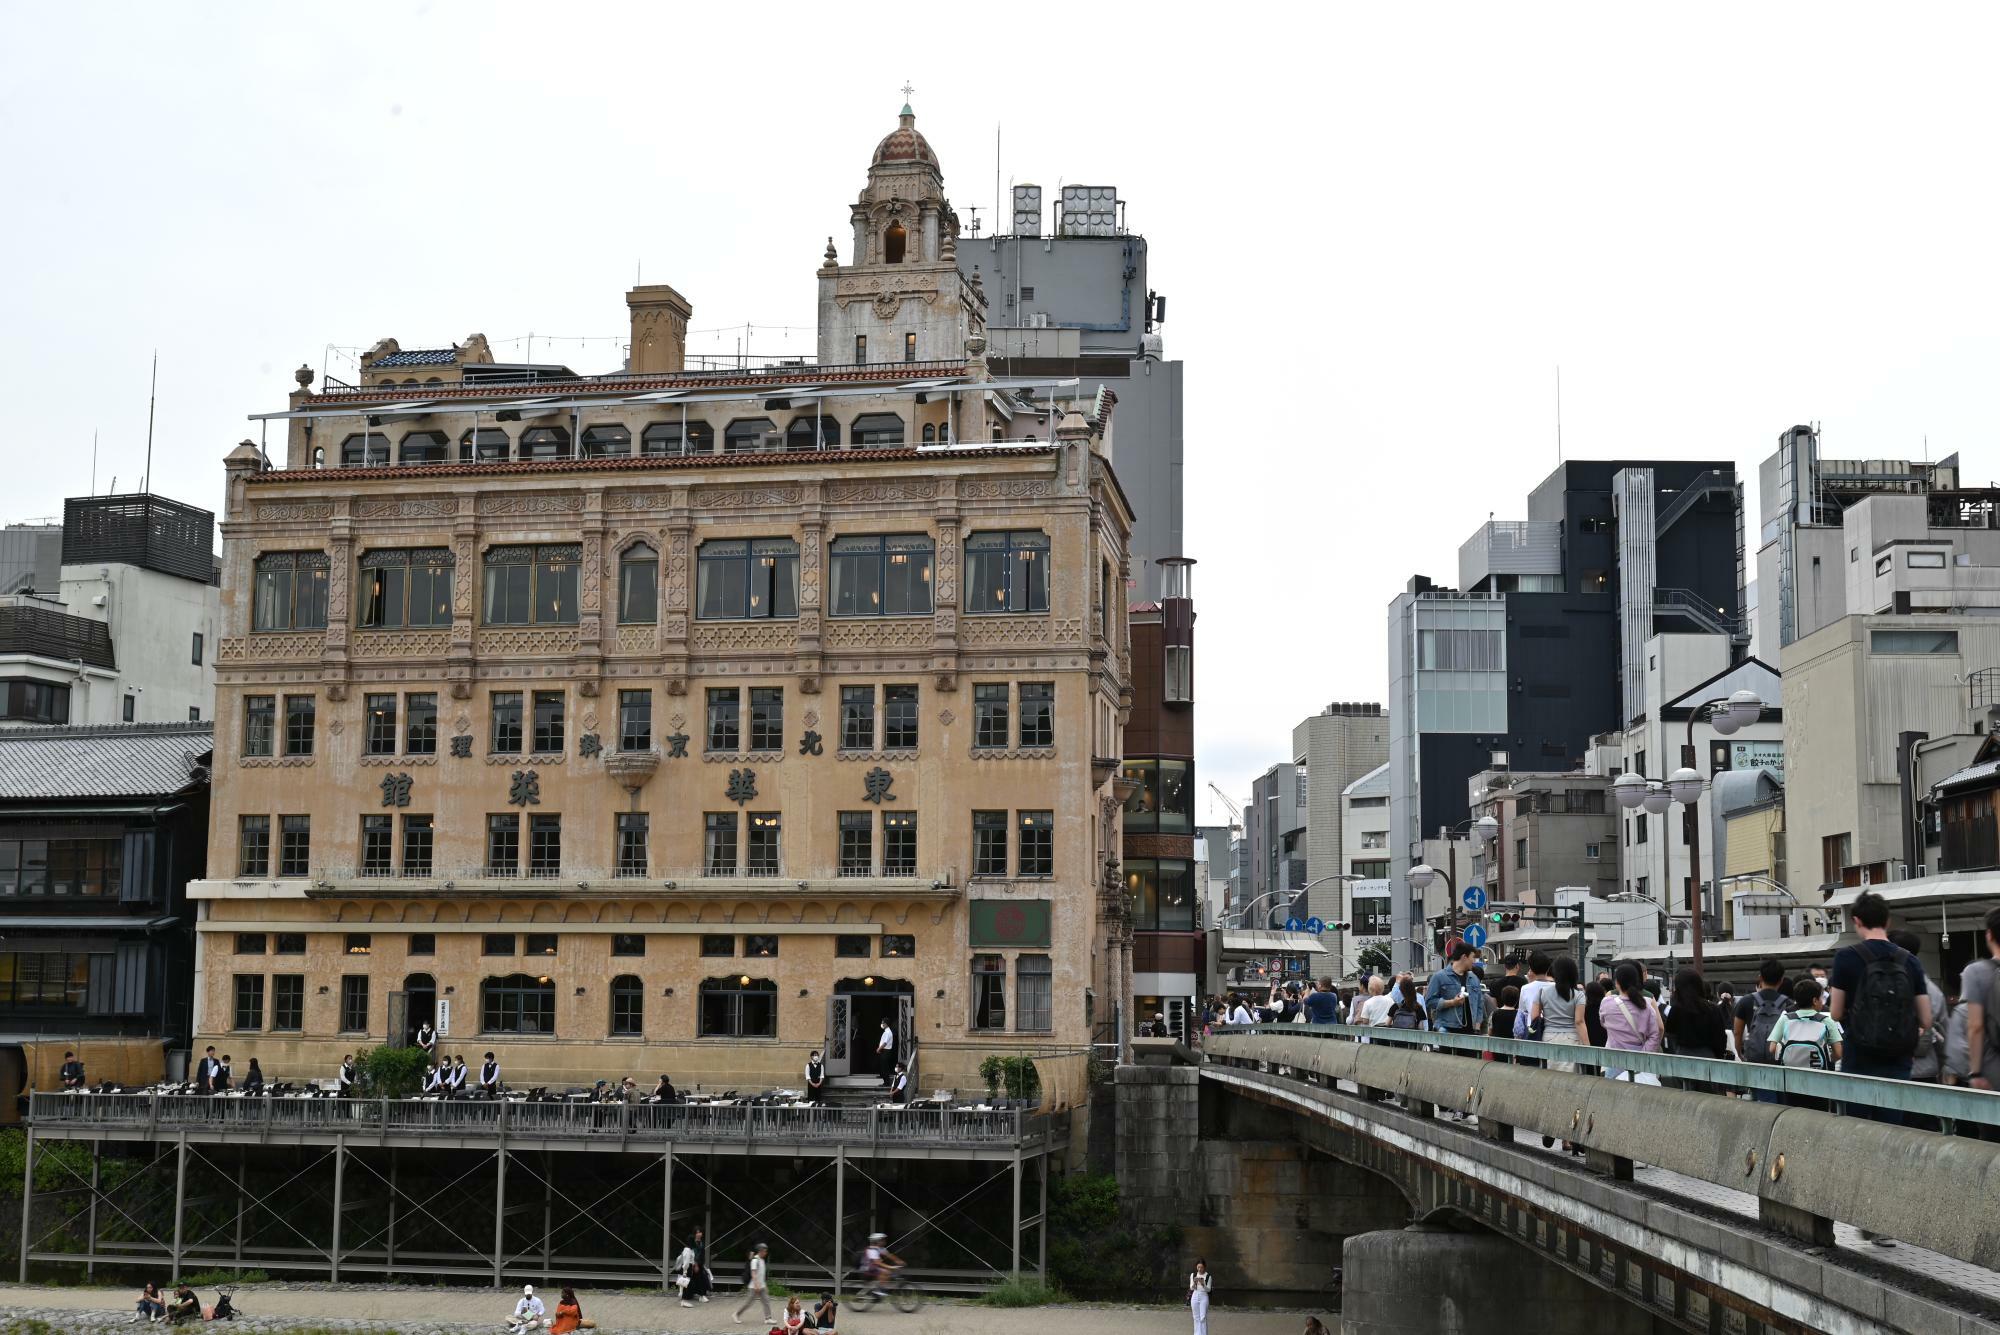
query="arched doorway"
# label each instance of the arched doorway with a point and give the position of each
(854, 1018)
(420, 1003)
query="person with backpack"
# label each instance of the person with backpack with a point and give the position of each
(1880, 1001)
(1806, 1037)
(756, 1283)
(1928, 1065)
(1631, 1022)
(1757, 1015)
(1977, 988)
(1406, 1009)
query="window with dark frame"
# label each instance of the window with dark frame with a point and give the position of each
(899, 843)
(635, 720)
(418, 844)
(354, 1003)
(23, 700)
(1038, 844)
(898, 946)
(503, 843)
(294, 845)
(876, 429)
(545, 442)
(989, 992)
(288, 1003)
(857, 843)
(746, 435)
(719, 844)
(606, 441)
(405, 587)
(260, 724)
(249, 1009)
(990, 723)
(718, 947)
(760, 947)
(1033, 1012)
(197, 648)
(628, 1006)
(763, 854)
(899, 718)
(497, 943)
(289, 591)
(696, 437)
(379, 713)
(544, 844)
(505, 734)
(1038, 713)
(364, 449)
(420, 724)
(628, 943)
(531, 586)
(251, 943)
(639, 586)
(857, 718)
(486, 444)
(909, 347)
(881, 575)
(767, 718)
(742, 579)
(301, 713)
(548, 723)
(289, 943)
(733, 1008)
(517, 1004)
(1007, 571)
(540, 943)
(423, 943)
(632, 857)
(989, 843)
(377, 846)
(724, 719)
(253, 846)
(850, 947)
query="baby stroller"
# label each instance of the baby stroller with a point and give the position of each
(225, 1307)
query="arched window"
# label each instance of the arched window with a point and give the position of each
(519, 1003)
(601, 442)
(672, 438)
(290, 591)
(638, 586)
(423, 447)
(748, 434)
(877, 429)
(486, 445)
(799, 435)
(738, 1007)
(545, 442)
(319, 456)
(368, 449)
(893, 242)
(628, 1006)
(930, 433)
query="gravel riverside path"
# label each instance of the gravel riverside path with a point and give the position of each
(369, 1310)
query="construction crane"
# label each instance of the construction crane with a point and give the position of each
(1237, 812)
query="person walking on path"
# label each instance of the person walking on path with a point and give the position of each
(885, 1054)
(756, 1284)
(1880, 1001)
(1456, 1000)
(1200, 1285)
(1977, 988)
(1631, 1022)
(1323, 1006)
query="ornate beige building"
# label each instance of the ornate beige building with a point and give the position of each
(680, 722)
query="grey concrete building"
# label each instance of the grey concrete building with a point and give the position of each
(1556, 831)
(1274, 830)
(1071, 299)
(1334, 747)
(30, 558)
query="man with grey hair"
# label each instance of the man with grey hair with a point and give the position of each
(1377, 985)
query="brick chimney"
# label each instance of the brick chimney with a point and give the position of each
(659, 329)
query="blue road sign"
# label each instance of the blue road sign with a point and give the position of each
(1474, 898)
(1475, 935)
(1294, 925)
(1315, 926)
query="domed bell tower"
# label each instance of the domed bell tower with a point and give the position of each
(899, 298)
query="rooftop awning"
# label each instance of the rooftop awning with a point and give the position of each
(1271, 943)
(1952, 887)
(1769, 947)
(80, 922)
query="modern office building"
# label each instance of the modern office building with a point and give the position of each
(101, 829)
(682, 721)
(1067, 296)
(1542, 644)
(1332, 749)
(127, 632)
(1557, 831)
(1274, 842)
(1159, 834)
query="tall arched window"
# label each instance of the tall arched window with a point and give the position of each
(638, 586)
(628, 1006)
(893, 242)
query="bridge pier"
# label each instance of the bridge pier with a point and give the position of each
(1433, 1281)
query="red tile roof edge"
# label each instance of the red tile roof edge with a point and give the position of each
(643, 463)
(892, 373)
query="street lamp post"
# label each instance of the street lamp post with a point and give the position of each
(1684, 786)
(1421, 875)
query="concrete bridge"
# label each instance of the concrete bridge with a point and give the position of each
(1284, 1147)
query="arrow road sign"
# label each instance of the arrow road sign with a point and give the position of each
(1474, 898)
(1294, 925)
(1315, 926)
(1475, 935)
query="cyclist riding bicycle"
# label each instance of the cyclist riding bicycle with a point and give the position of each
(878, 1264)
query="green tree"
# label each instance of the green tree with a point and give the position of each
(1374, 959)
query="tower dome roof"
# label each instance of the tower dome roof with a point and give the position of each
(904, 144)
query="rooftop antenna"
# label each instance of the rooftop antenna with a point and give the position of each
(1559, 413)
(93, 461)
(997, 215)
(152, 397)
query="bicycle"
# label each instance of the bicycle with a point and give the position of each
(904, 1294)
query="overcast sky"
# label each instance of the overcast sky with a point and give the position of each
(1380, 230)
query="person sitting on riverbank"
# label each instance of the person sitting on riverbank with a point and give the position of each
(151, 1308)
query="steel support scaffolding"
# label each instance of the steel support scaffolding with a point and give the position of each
(239, 1200)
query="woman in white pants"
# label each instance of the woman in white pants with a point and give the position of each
(1199, 1284)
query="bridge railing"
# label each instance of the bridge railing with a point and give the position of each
(147, 1114)
(1820, 1147)
(1948, 1104)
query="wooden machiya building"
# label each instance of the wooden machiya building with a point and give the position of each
(678, 721)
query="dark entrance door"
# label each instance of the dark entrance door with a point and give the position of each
(870, 1002)
(421, 991)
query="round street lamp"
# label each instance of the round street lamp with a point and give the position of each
(1657, 798)
(1487, 828)
(1630, 789)
(1685, 786)
(1421, 876)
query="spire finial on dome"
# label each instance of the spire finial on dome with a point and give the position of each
(907, 90)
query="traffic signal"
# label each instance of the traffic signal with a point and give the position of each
(1338, 927)
(1496, 917)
